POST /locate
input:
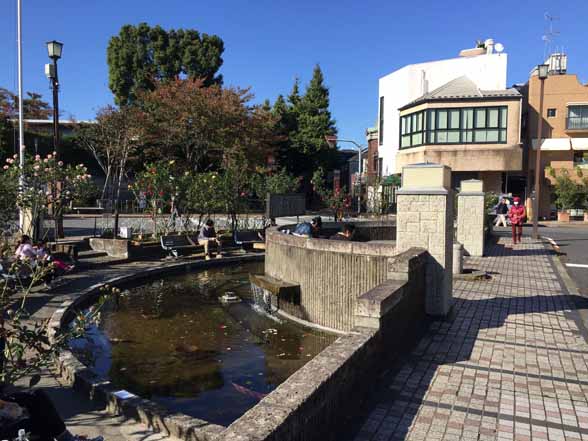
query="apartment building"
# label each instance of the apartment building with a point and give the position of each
(564, 137)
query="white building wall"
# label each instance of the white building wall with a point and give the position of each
(487, 71)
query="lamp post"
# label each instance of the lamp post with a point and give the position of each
(332, 141)
(54, 50)
(542, 73)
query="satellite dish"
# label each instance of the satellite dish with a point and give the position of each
(498, 47)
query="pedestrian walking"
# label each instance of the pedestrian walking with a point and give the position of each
(517, 215)
(501, 212)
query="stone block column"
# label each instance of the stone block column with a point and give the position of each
(425, 219)
(470, 217)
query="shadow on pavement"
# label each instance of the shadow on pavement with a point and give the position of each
(403, 388)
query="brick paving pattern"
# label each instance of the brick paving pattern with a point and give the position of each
(510, 364)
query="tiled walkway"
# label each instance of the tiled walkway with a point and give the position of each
(511, 364)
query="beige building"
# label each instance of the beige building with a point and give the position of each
(474, 132)
(564, 133)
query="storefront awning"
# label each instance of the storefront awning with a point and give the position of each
(580, 143)
(553, 144)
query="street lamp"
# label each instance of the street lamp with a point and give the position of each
(54, 50)
(332, 141)
(542, 73)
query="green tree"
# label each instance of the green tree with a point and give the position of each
(33, 104)
(141, 56)
(569, 194)
(6, 143)
(314, 123)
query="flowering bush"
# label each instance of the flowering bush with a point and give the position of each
(26, 345)
(46, 185)
(337, 200)
(162, 188)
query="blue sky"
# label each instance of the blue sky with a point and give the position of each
(270, 42)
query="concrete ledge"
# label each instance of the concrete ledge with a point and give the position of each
(423, 190)
(98, 388)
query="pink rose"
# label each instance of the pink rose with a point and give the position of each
(6, 167)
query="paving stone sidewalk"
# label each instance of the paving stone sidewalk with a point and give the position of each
(510, 364)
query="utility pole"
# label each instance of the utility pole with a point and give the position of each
(21, 140)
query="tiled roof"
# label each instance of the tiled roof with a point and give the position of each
(463, 88)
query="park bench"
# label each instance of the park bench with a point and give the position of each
(88, 210)
(177, 244)
(247, 239)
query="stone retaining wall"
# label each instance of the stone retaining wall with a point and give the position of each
(331, 274)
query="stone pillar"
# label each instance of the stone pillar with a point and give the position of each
(471, 217)
(425, 219)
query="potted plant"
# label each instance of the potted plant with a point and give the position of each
(568, 195)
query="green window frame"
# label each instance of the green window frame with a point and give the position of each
(454, 125)
(412, 130)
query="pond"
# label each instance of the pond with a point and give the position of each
(173, 342)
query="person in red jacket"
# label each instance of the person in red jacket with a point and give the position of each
(517, 215)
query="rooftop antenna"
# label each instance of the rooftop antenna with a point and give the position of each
(549, 35)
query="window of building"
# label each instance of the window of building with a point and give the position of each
(577, 117)
(412, 130)
(581, 158)
(381, 124)
(471, 125)
(551, 113)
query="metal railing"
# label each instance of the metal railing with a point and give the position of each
(577, 122)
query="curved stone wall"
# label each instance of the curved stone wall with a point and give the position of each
(331, 274)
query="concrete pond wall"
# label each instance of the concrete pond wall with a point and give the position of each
(331, 274)
(315, 401)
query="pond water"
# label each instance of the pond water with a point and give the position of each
(172, 341)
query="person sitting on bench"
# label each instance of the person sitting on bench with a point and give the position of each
(346, 234)
(25, 250)
(207, 236)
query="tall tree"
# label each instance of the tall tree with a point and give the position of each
(313, 122)
(140, 56)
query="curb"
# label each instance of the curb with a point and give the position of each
(569, 283)
(99, 388)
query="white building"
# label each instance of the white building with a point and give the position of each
(483, 65)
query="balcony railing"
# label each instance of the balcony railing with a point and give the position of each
(577, 123)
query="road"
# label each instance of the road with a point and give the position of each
(573, 242)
